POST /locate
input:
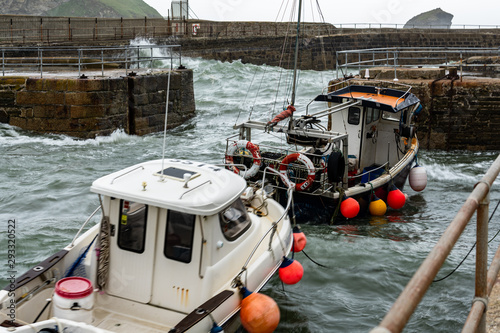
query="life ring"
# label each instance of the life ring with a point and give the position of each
(310, 171)
(336, 167)
(253, 148)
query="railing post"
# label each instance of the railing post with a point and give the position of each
(481, 293)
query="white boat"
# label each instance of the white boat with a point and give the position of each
(355, 140)
(176, 243)
(366, 146)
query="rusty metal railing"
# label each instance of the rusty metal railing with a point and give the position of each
(402, 309)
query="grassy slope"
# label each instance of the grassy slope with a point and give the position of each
(91, 8)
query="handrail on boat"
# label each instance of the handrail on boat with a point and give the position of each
(127, 172)
(285, 212)
(84, 224)
(397, 317)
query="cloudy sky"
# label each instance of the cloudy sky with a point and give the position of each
(478, 12)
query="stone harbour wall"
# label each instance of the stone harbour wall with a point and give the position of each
(91, 107)
(459, 114)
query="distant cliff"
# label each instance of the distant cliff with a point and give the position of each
(80, 8)
(436, 18)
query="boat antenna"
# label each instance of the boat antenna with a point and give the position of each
(296, 55)
(165, 126)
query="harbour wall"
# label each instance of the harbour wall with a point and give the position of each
(461, 113)
(90, 107)
(319, 52)
(458, 114)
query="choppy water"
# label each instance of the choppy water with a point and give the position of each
(45, 179)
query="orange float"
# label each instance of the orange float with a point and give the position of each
(259, 313)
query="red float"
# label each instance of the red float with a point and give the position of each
(291, 271)
(396, 199)
(299, 240)
(349, 208)
(259, 313)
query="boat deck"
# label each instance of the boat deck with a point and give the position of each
(115, 322)
(117, 314)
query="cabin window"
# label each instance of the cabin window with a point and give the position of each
(234, 220)
(354, 115)
(387, 115)
(132, 226)
(179, 236)
(372, 115)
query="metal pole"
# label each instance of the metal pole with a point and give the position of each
(79, 61)
(102, 62)
(296, 54)
(41, 62)
(407, 302)
(481, 294)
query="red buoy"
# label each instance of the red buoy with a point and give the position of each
(349, 208)
(291, 271)
(396, 199)
(259, 313)
(299, 240)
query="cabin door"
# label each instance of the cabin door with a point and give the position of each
(176, 277)
(132, 250)
(369, 137)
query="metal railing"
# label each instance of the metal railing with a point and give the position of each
(71, 59)
(472, 59)
(414, 26)
(397, 317)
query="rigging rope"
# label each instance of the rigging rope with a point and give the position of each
(472, 248)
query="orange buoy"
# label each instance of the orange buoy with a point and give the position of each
(396, 199)
(299, 240)
(377, 206)
(349, 208)
(291, 271)
(259, 313)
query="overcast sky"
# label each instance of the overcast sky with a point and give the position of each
(478, 12)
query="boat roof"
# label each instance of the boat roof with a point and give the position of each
(386, 99)
(210, 189)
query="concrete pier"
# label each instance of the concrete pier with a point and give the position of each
(94, 105)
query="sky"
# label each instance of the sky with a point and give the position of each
(478, 12)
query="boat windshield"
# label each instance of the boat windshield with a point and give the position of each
(234, 220)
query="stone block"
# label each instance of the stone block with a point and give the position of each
(85, 111)
(39, 98)
(7, 98)
(89, 98)
(12, 81)
(50, 111)
(18, 122)
(88, 84)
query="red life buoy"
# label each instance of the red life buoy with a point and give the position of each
(310, 171)
(253, 148)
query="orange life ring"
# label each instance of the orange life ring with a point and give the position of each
(310, 171)
(253, 148)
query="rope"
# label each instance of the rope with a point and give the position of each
(317, 263)
(337, 209)
(472, 248)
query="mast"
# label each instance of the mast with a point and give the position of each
(296, 54)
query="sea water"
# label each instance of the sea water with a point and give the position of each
(45, 180)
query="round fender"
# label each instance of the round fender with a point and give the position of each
(336, 167)
(253, 148)
(310, 171)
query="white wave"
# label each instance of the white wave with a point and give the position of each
(449, 173)
(12, 136)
